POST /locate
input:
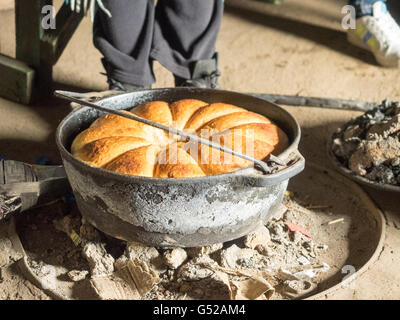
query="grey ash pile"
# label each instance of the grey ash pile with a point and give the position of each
(369, 145)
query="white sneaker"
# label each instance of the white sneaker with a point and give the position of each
(379, 34)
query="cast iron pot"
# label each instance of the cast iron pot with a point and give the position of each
(185, 212)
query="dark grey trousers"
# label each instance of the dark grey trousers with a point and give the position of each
(174, 32)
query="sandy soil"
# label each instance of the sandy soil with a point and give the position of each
(6, 5)
(298, 48)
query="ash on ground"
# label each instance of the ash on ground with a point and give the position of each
(369, 145)
(277, 261)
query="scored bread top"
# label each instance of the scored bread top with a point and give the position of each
(130, 147)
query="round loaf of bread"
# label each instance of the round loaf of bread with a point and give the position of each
(126, 146)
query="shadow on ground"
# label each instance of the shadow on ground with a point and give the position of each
(52, 110)
(330, 38)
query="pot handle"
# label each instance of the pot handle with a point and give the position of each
(297, 164)
(23, 186)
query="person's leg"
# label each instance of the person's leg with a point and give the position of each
(125, 40)
(376, 31)
(185, 33)
(363, 7)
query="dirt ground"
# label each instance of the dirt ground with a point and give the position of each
(297, 48)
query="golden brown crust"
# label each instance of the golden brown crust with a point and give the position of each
(138, 162)
(214, 162)
(230, 121)
(175, 162)
(115, 120)
(93, 134)
(130, 147)
(269, 132)
(210, 112)
(182, 110)
(157, 111)
(100, 152)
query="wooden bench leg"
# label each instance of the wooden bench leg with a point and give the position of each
(29, 77)
(29, 33)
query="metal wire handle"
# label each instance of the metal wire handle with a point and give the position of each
(71, 96)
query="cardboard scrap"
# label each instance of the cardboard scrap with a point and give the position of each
(117, 286)
(132, 281)
(255, 286)
(251, 289)
(145, 278)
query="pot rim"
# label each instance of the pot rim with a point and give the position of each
(276, 177)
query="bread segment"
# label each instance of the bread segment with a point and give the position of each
(230, 121)
(182, 110)
(269, 133)
(114, 120)
(93, 134)
(130, 147)
(100, 152)
(208, 113)
(157, 111)
(137, 162)
(213, 161)
(175, 162)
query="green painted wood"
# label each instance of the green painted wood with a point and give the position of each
(16, 80)
(36, 49)
(28, 16)
(29, 33)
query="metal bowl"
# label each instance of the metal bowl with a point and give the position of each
(355, 177)
(183, 212)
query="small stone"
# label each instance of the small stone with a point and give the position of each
(260, 236)
(198, 251)
(234, 256)
(77, 275)
(265, 250)
(136, 250)
(175, 257)
(194, 269)
(100, 262)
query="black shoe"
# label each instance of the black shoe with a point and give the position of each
(125, 87)
(205, 74)
(119, 86)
